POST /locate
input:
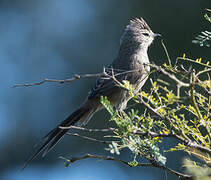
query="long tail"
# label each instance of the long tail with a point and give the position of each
(52, 138)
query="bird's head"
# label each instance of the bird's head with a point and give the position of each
(138, 33)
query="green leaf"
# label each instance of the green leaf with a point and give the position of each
(133, 163)
(106, 103)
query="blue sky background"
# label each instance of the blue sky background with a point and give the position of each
(56, 39)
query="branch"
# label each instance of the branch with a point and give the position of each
(171, 76)
(89, 130)
(193, 61)
(168, 120)
(74, 78)
(104, 74)
(89, 138)
(152, 164)
(185, 140)
(152, 134)
(193, 144)
(195, 105)
(166, 52)
(109, 158)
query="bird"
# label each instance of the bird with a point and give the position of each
(130, 64)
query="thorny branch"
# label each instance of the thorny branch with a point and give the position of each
(109, 158)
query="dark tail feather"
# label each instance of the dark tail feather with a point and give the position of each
(53, 137)
(72, 119)
(50, 137)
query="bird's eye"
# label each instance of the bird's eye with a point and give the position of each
(145, 34)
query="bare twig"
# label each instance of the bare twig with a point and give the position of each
(192, 84)
(74, 78)
(171, 76)
(89, 130)
(203, 71)
(104, 74)
(88, 138)
(166, 52)
(109, 158)
(152, 134)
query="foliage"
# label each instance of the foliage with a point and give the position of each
(204, 38)
(128, 124)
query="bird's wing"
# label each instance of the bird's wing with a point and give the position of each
(107, 84)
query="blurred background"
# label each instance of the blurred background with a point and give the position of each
(56, 39)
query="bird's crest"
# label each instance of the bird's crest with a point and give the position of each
(139, 23)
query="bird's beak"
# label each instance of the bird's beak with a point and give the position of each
(157, 35)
